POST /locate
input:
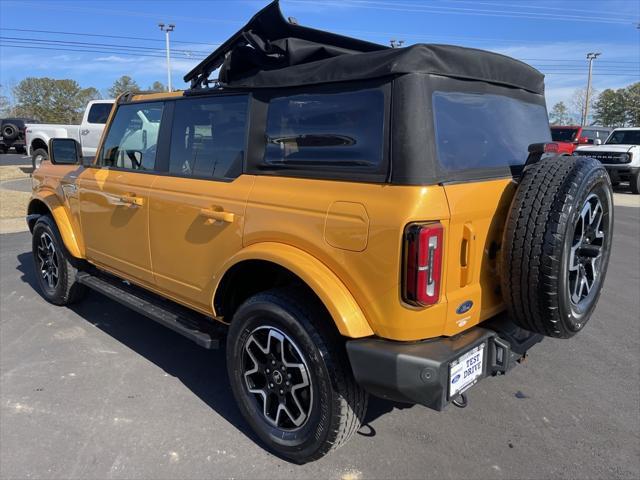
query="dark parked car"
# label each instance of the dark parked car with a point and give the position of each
(12, 134)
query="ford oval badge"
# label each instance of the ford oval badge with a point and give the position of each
(464, 307)
(455, 379)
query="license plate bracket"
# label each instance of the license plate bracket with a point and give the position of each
(466, 370)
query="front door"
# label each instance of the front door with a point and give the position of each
(196, 212)
(114, 193)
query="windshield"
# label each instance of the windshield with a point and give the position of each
(624, 137)
(564, 134)
(485, 131)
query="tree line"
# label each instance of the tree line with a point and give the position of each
(63, 101)
(50, 100)
(610, 108)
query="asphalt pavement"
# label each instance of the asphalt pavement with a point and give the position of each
(97, 391)
(14, 159)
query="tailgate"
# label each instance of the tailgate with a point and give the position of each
(478, 214)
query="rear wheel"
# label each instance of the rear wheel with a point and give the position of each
(21, 150)
(39, 156)
(557, 244)
(290, 375)
(54, 271)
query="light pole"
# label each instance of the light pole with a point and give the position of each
(591, 56)
(166, 30)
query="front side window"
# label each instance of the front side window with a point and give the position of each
(336, 130)
(209, 137)
(486, 131)
(564, 134)
(99, 113)
(624, 137)
(133, 136)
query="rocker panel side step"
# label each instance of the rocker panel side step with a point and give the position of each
(179, 319)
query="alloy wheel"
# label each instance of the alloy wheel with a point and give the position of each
(48, 260)
(276, 375)
(586, 250)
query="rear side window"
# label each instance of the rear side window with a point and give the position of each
(209, 137)
(133, 136)
(486, 131)
(336, 130)
(99, 113)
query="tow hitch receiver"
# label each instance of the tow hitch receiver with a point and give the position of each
(438, 371)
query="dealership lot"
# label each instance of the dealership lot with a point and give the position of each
(98, 391)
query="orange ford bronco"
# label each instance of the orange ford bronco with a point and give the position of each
(362, 219)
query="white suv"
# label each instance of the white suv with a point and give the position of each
(620, 155)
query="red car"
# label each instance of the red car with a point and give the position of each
(569, 137)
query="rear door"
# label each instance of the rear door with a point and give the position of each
(196, 210)
(91, 129)
(480, 137)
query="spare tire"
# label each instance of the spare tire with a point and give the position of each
(556, 245)
(10, 131)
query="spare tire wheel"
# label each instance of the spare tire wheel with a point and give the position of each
(9, 131)
(556, 245)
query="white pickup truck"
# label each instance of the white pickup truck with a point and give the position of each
(88, 133)
(620, 155)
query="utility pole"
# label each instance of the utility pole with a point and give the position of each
(169, 28)
(591, 56)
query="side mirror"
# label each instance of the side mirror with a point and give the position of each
(597, 141)
(65, 151)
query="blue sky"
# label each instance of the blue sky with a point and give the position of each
(553, 36)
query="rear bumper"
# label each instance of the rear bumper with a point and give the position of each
(419, 372)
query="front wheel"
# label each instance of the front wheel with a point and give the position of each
(54, 271)
(634, 183)
(290, 375)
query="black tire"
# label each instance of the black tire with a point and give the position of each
(634, 184)
(39, 155)
(335, 404)
(21, 149)
(10, 131)
(3, 149)
(546, 256)
(62, 288)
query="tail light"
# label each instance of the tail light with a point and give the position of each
(422, 263)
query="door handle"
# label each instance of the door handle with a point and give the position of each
(467, 254)
(217, 215)
(84, 132)
(132, 200)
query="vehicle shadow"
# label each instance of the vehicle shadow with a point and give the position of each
(201, 371)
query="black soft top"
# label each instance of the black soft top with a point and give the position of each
(271, 52)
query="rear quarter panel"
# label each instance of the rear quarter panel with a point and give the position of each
(356, 230)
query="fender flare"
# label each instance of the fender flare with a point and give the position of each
(39, 136)
(335, 296)
(63, 222)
